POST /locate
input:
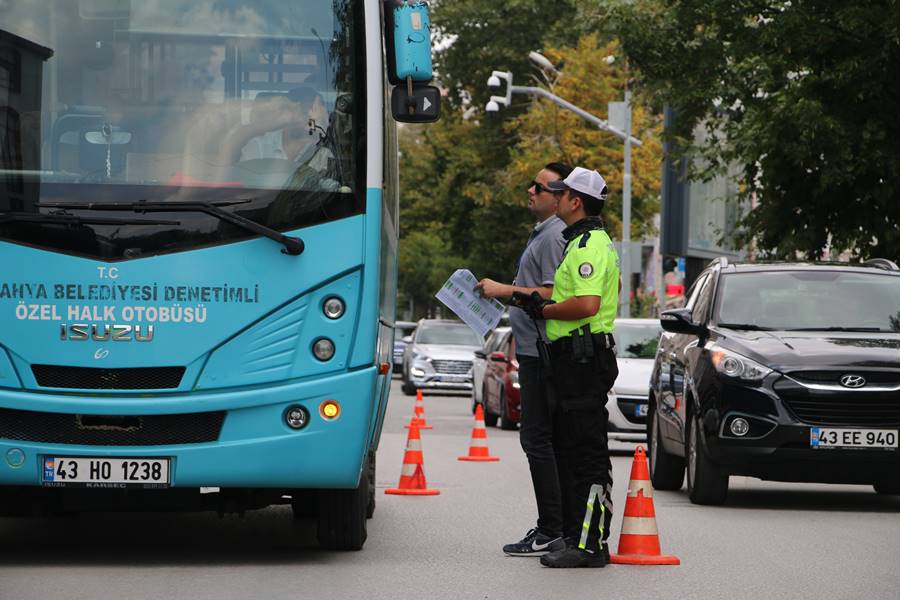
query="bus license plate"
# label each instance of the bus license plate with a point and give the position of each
(78, 471)
(829, 437)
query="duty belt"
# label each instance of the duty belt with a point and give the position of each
(582, 344)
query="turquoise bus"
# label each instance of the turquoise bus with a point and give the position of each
(198, 233)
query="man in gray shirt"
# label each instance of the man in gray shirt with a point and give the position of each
(535, 272)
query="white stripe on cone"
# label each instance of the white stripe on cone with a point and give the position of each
(640, 484)
(639, 526)
(414, 445)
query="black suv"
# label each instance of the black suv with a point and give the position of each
(782, 371)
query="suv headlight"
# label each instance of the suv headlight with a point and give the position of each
(733, 365)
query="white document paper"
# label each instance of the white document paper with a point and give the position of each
(458, 294)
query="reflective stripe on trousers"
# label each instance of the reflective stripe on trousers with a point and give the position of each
(597, 491)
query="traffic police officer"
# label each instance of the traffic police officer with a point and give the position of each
(580, 315)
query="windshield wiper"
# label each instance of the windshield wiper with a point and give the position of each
(65, 219)
(292, 245)
(866, 329)
(745, 326)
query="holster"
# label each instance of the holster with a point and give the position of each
(543, 349)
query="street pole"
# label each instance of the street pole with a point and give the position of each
(625, 296)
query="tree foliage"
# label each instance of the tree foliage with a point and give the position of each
(546, 130)
(802, 94)
(479, 36)
(464, 179)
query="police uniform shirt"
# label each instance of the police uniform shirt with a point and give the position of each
(590, 267)
(537, 268)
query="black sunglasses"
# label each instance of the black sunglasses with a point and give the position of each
(538, 188)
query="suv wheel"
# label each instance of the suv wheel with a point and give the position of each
(408, 387)
(705, 483)
(666, 470)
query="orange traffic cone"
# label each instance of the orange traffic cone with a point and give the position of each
(478, 449)
(412, 475)
(639, 539)
(419, 413)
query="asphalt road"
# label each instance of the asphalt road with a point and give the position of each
(770, 540)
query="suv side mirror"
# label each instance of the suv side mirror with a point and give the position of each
(679, 320)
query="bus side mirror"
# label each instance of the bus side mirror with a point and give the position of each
(408, 37)
(423, 106)
(408, 45)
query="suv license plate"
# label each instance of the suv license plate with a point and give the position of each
(828, 437)
(79, 471)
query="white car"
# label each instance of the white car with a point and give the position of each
(478, 365)
(636, 342)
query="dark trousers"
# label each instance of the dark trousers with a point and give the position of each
(536, 437)
(581, 444)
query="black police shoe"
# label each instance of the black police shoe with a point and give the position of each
(535, 543)
(574, 558)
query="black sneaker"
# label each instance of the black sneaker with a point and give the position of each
(574, 558)
(534, 543)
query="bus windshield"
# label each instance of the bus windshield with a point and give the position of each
(246, 103)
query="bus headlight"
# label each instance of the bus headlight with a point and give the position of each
(323, 349)
(296, 417)
(334, 308)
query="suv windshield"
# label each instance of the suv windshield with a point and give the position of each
(176, 101)
(636, 340)
(448, 335)
(813, 299)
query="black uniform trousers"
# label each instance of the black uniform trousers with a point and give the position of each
(581, 443)
(536, 437)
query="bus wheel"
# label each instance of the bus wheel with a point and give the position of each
(342, 516)
(370, 507)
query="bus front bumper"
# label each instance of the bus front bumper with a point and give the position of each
(255, 446)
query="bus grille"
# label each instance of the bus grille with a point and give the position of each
(100, 430)
(90, 378)
(452, 367)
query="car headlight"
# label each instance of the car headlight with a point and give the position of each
(736, 366)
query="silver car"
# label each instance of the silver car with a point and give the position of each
(402, 331)
(438, 356)
(636, 342)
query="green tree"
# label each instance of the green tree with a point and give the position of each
(592, 82)
(465, 179)
(426, 264)
(479, 36)
(802, 94)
